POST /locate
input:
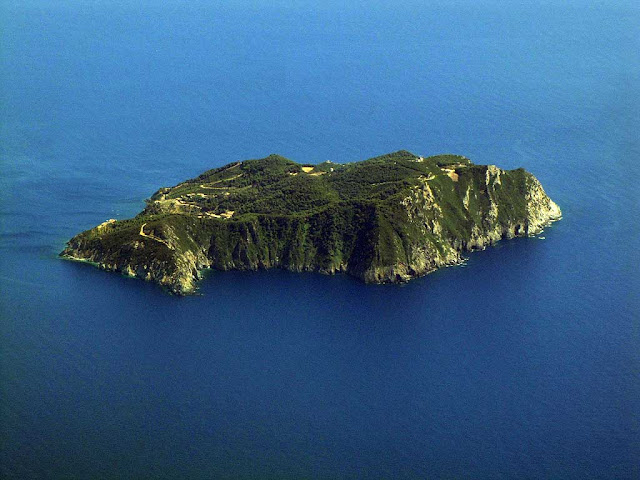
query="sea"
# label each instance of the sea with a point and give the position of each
(523, 363)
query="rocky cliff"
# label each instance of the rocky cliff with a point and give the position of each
(386, 219)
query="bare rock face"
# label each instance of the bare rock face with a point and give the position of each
(387, 219)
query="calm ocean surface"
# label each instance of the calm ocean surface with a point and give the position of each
(525, 363)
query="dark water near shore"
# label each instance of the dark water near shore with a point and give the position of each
(525, 363)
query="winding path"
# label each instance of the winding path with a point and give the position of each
(153, 237)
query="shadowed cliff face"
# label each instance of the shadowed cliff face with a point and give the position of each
(387, 219)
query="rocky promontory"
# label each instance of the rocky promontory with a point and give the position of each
(387, 219)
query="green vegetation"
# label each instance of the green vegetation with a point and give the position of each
(388, 218)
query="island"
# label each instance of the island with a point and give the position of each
(384, 220)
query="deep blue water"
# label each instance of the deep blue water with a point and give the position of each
(525, 363)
